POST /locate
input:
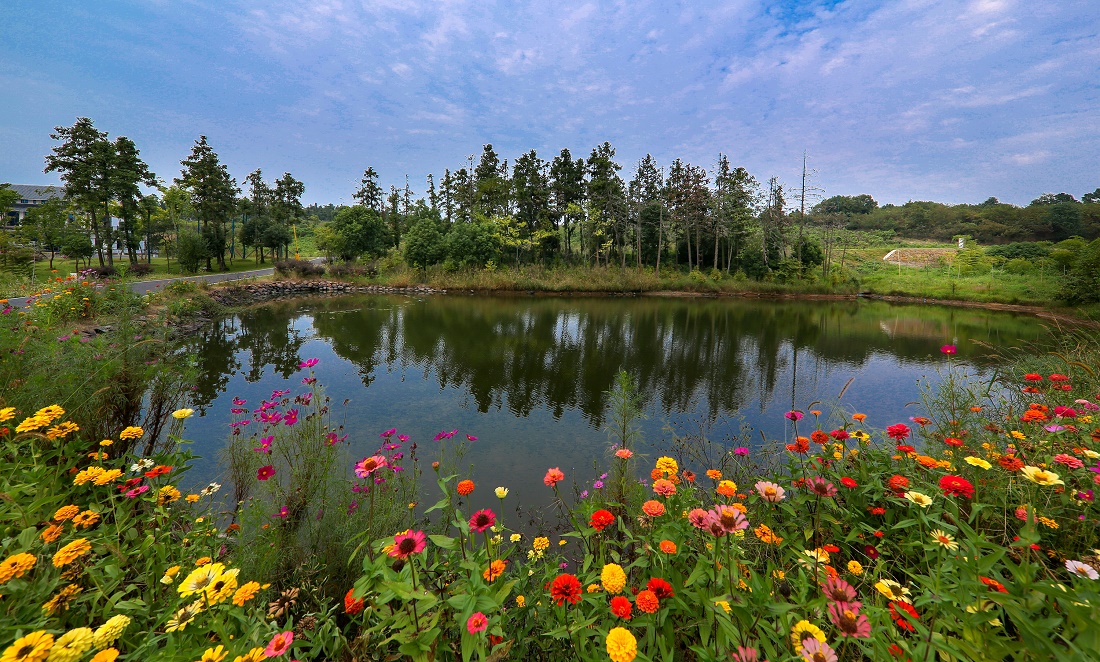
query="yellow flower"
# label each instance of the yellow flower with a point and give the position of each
(192, 498)
(106, 442)
(804, 630)
(183, 617)
(32, 423)
(109, 632)
(86, 519)
(621, 645)
(592, 588)
(32, 648)
(6, 414)
(521, 601)
(61, 430)
(855, 567)
(167, 494)
(50, 413)
(919, 498)
(199, 579)
(223, 586)
(88, 475)
(216, 654)
(944, 539)
(541, 543)
(515, 537)
(563, 543)
(1016, 434)
(1041, 476)
(65, 513)
(60, 602)
(169, 575)
(724, 605)
(107, 655)
(667, 466)
(181, 414)
(71, 645)
(132, 432)
(246, 592)
(107, 476)
(613, 578)
(892, 590)
(977, 462)
(501, 492)
(1049, 523)
(71, 552)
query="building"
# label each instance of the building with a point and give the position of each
(30, 195)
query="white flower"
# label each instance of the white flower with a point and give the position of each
(1081, 569)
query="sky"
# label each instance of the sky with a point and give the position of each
(953, 101)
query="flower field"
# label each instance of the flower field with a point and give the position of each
(966, 533)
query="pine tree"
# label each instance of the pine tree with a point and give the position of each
(212, 195)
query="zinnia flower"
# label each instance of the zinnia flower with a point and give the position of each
(944, 539)
(821, 487)
(565, 588)
(647, 601)
(660, 588)
(279, 644)
(664, 487)
(892, 590)
(838, 590)
(804, 630)
(33, 647)
(621, 607)
(901, 611)
(16, 565)
(624, 453)
(408, 543)
(653, 508)
(621, 645)
(601, 519)
(770, 492)
(477, 623)
(956, 486)
(495, 569)
(71, 552)
(106, 634)
(846, 617)
(977, 462)
(816, 650)
(352, 606)
(501, 492)
(482, 520)
(668, 547)
(465, 487)
(729, 518)
(899, 431)
(181, 414)
(552, 477)
(1041, 476)
(72, 645)
(613, 578)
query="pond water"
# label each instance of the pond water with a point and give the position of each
(528, 376)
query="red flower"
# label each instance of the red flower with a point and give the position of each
(351, 605)
(565, 588)
(870, 551)
(897, 652)
(878, 511)
(956, 486)
(1033, 377)
(552, 477)
(1058, 378)
(482, 520)
(263, 473)
(906, 448)
(158, 470)
(839, 435)
(819, 437)
(601, 519)
(951, 441)
(898, 431)
(848, 482)
(1010, 463)
(993, 584)
(832, 549)
(660, 588)
(621, 607)
(801, 446)
(898, 483)
(901, 619)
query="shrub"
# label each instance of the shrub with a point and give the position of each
(192, 251)
(302, 268)
(139, 269)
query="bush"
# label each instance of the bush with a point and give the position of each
(192, 251)
(302, 268)
(106, 271)
(351, 270)
(139, 269)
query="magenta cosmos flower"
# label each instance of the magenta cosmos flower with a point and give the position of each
(369, 465)
(408, 543)
(482, 520)
(949, 349)
(263, 473)
(793, 416)
(308, 363)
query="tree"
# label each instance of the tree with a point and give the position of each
(286, 210)
(425, 242)
(8, 197)
(257, 213)
(736, 195)
(127, 173)
(83, 160)
(646, 195)
(358, 230)
(566, 193)
(491, 184)
(212, 195)
(1052, 199)
(606, 196)
(1091, 198)
(849, 205)
(531, 191)
(48, 224)
(370, 194)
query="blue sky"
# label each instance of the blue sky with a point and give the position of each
(903, 99)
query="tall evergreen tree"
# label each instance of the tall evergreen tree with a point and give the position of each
(83, 160)
(213, 196)
(370, 194)
(566, 193)
(127, 173)
(490, 184)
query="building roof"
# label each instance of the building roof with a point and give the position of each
(38, 191)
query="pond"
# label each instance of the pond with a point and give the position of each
(529, 376)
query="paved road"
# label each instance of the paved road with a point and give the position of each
(147, 286)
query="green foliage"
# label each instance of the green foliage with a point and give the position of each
(357, 231)
(191, 251)
(471, 244)
(1082, 284)
(425, 243)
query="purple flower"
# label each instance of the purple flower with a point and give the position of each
(388, 433)
(584, 494)
(308, 363)
(598, 485)
(1054, 428)
(793, 415)
(741, 451)
(283, 512)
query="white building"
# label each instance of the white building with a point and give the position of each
(30, 195)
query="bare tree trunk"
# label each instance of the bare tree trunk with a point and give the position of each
(660, 238)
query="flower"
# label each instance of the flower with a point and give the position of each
(245, 593)
(621, 645)
(944, 539)
(1041, 476)
(105, 655)
(621, 607)
(465, 487)
(501, 492)
(899, 431)
(552, 477)
(1081, 569)
(279, 644)
(977, 462)
(729, 518)
(565, 588)
(477, 623)
(804, 630)
(770, 492)
(352, 606)
(1069, 461)
(647, 601)
(369, 465)
(664, 487)
(956, 486)
(949, 349)
(223, 586)
(892, 590)
(71, 552)
(668, 547)
(816, 650)
(624, 453)
(667, 466)
(183, 616)
(848, 482)
(33, 647)
(921, 499)
(199, 579)
(65, 513)
(308, 363)
(253, 655)
(72, 645)
(482, 519)
(16, 565)
(820, 487)
(495, 569)
(408, 543)
(766, 535)
(181, 414)
(855, 567)
(601, 519)
(215, 654)
(793, 416)
(653, 508)
(743, 654)
(660, 588)
(901, 611)
(132, 432)
(838, 590)
(109, 632)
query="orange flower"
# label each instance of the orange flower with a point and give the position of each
(714, 474)
(664, 487)
(819, 437)
(927, 462)
(859, 417)
(727, 488)
(51, 532)
(495, 569)
(647, 601)
(668, 547)
(553, 476)
(653, 508)
(465, 487)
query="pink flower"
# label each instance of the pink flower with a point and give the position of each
(1069, 461)
(741, 451)
(839, 435)
(408, 543)
(477, 623)
(818, 651)
(793, 416)
(552, 477)
(769, 491)
(1067, 412)
(744, 654)
(308, 363)
(369, 465)
(471, 437)
(624, 453)
(283, 512)
(280, 643)
(482, 520)
(137, 491)
(821, 487)
(729, 518)
(388, 433)
(899, 431)
(699, 518)
(291, 417)
(846, 617)
(265, 444)
(265, 472)
(949, 349)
